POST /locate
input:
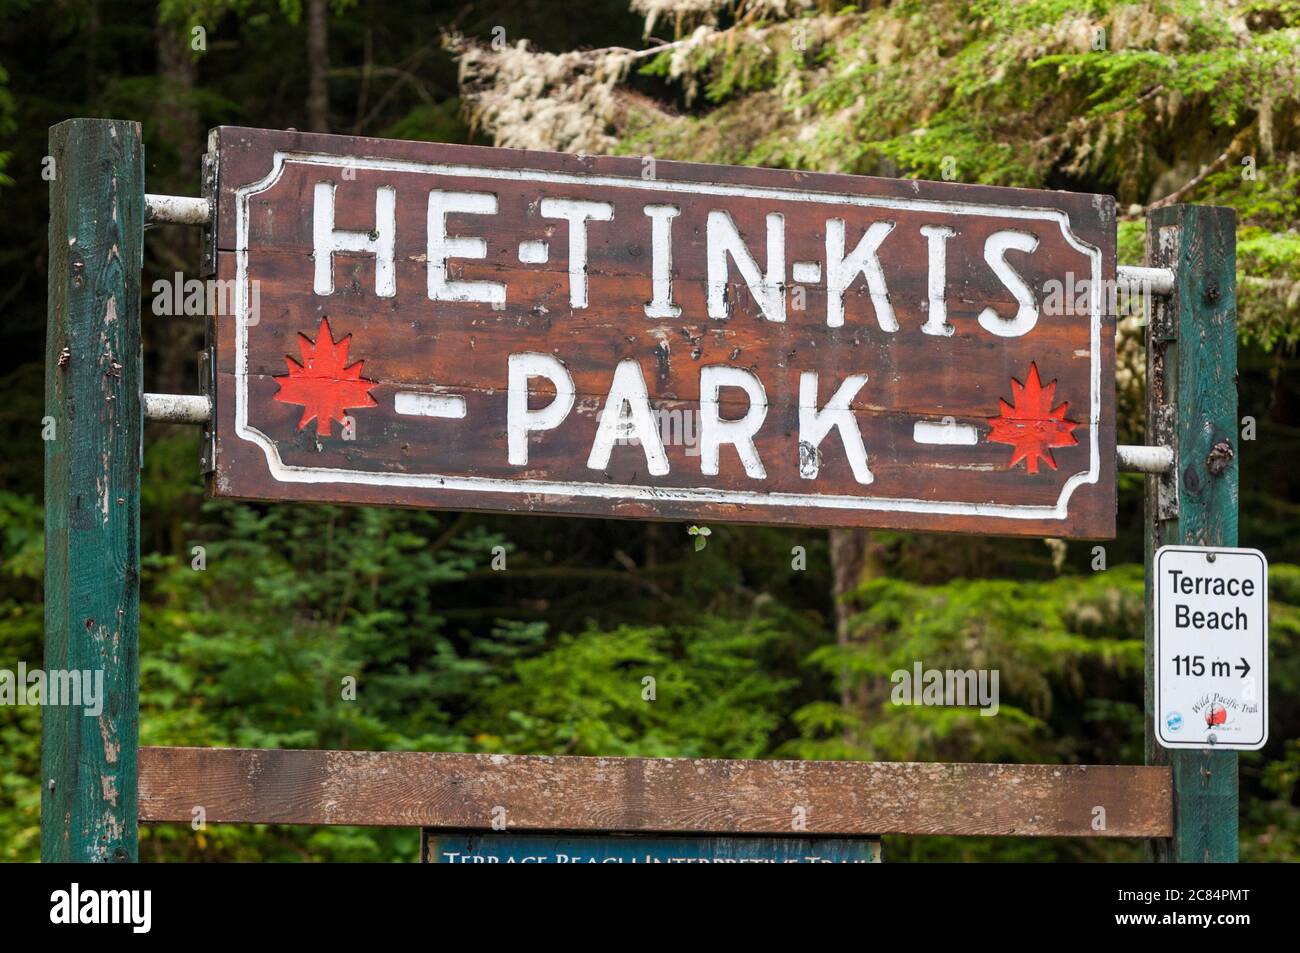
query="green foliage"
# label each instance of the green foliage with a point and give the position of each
(22, 627)
(254, 628)
(701, 534)
(1107, 96)
(700, 691)
(1068, 653)
(440, 123)
(553, 655)
(318, 595)
(1271, 822)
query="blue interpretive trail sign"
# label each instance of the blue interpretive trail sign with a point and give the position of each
(442, 847)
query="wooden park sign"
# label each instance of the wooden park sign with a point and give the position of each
(435, 325)
(471, 328)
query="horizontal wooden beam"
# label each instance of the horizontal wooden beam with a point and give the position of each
(659, 795)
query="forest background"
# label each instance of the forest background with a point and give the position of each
(753, 656)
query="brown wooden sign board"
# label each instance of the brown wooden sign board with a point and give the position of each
(459, 327)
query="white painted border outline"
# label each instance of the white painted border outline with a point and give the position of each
(286, 473)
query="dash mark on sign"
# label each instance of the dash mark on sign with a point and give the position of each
(416, 404)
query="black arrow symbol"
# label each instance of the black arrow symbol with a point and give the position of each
(1244, 668)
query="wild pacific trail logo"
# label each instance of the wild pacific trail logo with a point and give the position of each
(1219, 712)
(1213, 710)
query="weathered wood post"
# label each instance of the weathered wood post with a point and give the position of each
(1192, 406)
(92, 487)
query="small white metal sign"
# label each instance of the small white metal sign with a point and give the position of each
(1211, 651)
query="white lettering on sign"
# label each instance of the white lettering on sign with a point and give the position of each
(577, 214)
(328, 240)
(661, 261)
(443, 247)
(632, 419)
(733, 405)
(724, 245)
(520, 420)
(815, 424)
(739, 433)
(768, 288)
(1211, 647)
(842, 271)
(936, 239)
(995, 253)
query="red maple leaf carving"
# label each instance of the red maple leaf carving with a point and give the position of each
(322, 384)
(1030, 424)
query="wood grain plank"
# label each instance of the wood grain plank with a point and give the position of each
(1192, 404)
(651, 795)
(92, 488)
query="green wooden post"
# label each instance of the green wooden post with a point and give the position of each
(92, 487)
(1192, 405)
